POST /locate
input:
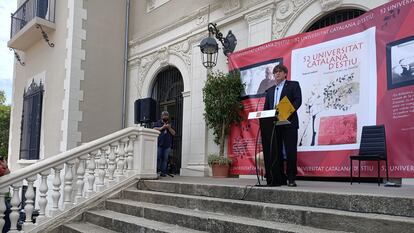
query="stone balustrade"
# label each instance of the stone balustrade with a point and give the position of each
(87, 170)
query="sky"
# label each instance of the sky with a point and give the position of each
(6, 56)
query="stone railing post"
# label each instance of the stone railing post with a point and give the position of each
(145, 153)
(56, 194)
(43, 189)
(3, 192)
(111, 162)
(100, 184)
(68, 187)
(130, 153)
(15, 210)
(29, 207)
(80, 176)
(121, 157)
(91, 170)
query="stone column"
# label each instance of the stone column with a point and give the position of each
(194, 125)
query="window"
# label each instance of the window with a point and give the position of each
(31, 122)
(335, 17)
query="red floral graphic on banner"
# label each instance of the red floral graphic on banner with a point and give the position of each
(336, 130)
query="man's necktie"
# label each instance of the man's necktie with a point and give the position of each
(277, 93)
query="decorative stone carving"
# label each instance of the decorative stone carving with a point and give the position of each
(162, 56)
(182, 50)
(134, 62)
(201, 20)
(284, 9)
(286, 12)
(259, 14)
(298, 3)
(328, 5)
(248, 3)
(278, 27)
(146, 63)
(231, 5)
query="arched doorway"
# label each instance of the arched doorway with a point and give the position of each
(167, 91)
(335, 17)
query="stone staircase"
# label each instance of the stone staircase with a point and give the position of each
(174, 206)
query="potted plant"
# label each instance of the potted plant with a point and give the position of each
(219, 164)
(221, 96)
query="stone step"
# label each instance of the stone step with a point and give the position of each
(201, 220)
(83, 227)
(355, 202)
(307, 216)
(127, 223)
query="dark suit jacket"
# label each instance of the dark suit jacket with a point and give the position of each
(291, 89)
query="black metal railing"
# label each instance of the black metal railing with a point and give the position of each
(30, 9)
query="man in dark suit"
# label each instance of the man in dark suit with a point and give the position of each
(285, 136)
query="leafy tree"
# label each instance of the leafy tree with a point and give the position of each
(4, 124)
(2, 97)
(221, 95)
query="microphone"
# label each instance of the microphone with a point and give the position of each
(255, 146)
(257, 105)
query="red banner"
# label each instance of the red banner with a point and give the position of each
(356, 73)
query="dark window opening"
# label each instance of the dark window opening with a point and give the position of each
(31, 122)
(335, 17)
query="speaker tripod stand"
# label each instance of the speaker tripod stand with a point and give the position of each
(170, 166)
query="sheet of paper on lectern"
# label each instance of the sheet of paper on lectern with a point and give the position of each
(285, 109)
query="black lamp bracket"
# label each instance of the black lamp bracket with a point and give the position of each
(229, 42)
(212, 29)
(45, 36)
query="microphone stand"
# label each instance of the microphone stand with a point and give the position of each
(271, 145)
(255, 150)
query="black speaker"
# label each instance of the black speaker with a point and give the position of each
(145, 110)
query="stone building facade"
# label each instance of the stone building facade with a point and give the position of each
(83, 74)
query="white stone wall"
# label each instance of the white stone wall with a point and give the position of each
(46, 64)
(79, 76)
